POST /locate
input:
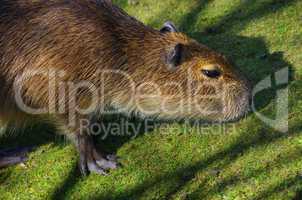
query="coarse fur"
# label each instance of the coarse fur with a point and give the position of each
(85, 38)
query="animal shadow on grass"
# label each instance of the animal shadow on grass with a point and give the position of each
(114, 130)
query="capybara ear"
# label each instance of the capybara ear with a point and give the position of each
(168, 27)
(174, 56)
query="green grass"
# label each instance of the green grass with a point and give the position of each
(246, 160)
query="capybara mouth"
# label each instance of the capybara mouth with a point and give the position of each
(237, 103)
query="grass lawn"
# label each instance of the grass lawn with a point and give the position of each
(244, 160)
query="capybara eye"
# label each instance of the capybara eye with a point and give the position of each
(211, 73)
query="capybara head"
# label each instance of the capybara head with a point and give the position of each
(178, 78)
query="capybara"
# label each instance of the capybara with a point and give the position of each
(65, 61)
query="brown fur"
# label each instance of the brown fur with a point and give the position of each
(82, 37)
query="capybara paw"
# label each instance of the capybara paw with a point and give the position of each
(110, 162)
(94, 167)
(95, 163)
